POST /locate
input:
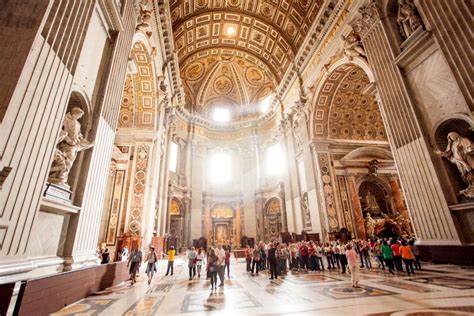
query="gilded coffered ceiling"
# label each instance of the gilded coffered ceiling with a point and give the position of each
(235, 52)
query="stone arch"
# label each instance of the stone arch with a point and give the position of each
(379, 189)
(341, 110)
(272, 215)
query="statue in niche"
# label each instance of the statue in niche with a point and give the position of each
(70, 142)
(370, 223)
(351, 47)
(371, 203)
(460, 152)
(306, 212)
(408, 19)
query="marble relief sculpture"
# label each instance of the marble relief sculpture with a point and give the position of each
(371, 203)
(408, 19)
(70, 142)
(460, 152)
(351, 47)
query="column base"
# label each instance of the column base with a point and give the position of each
(80, 261)
(15, 271)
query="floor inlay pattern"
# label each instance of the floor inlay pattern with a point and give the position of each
(437, 289)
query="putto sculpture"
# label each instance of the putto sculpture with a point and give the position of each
(70, 142)
(352, 47)
(459, 151)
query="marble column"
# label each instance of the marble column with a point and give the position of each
(398, 199)
(356, 207)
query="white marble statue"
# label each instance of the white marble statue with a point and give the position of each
(460, 152)
(408, 19)
(352, 47)
(70, 142)
(370, 223)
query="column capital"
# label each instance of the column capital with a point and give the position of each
(368, 17)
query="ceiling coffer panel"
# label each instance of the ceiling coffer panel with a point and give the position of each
(233, 53)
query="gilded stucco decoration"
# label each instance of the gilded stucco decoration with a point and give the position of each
(139, 103)
(139, 185)
(342, 111)
(175, 207)
(235, 52)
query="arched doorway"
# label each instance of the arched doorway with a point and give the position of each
(222, 217)
(176, 212)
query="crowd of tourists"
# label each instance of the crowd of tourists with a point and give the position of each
(311, 256)
(277, 259)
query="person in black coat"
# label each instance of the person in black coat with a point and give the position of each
(272, 259)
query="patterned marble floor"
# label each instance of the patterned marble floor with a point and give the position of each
(437, 290)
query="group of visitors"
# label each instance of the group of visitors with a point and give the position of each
(314, 256)
(279, 258)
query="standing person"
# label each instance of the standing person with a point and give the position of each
(319, 256)
(378, 254)
(124, 256)
(397, 257)
(313, 263)
(199, 261)
(330, 256)
(351, 256)
(227, 262)
(212, 267)
(337, 254)
(342, 257)
(303, 256)
(171, 253)
(105, 256)
(273, 261)
(192, 258)
(151, 260)
(407, 256)
(416, 253)
(134, 261)
(248, 258)
(221, 262)
(387, 254)
(256, 259)
(293, 257)
(366, 254)
(283, 258)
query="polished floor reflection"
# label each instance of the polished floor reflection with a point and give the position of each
(437, 290)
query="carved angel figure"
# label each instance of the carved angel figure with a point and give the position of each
(70, 142)
(408, 19)
(144, 18)
(460, 152)
(352, 47)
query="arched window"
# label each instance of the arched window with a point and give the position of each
(275, 160)
(220, 167)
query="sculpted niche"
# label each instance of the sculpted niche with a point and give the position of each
(408, 18)
(70, 142)
(460, 152)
